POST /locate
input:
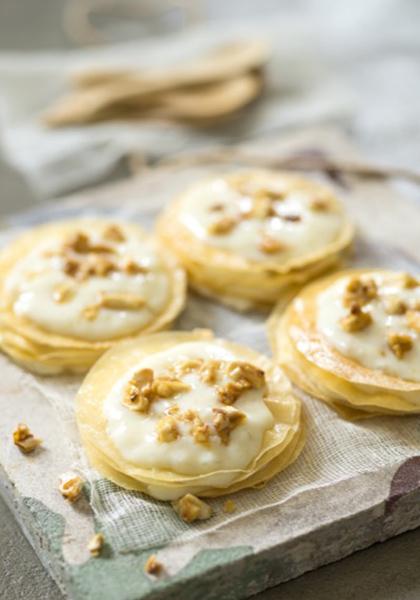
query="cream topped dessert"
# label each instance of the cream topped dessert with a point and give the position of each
(95, 282)
(262, 216)
(193, 409)
(374, 318)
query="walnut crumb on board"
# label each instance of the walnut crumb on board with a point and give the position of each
(96, 544)
(70, 486)
(190, 508)
(24, 439)
(153, 566)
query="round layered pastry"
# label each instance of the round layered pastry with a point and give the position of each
(69, 290)
(247, 237)
(353, 340)
(180, 413)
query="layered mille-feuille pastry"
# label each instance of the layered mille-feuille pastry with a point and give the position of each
(69, 290)
(247, 237)
(176, 414)
(353, 340)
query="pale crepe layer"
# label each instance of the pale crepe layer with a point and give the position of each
(45, 352)
(239, 281)
(316, 367)
(286, 436)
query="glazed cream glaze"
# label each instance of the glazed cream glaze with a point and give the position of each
(369, 346)
(31, 284)
(134, 433)
(312, 233)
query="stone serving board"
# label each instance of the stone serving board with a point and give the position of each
(255, 551)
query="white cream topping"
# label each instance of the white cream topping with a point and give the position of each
(32, 283)
(134, 433)
(304, 236)
(369, 347)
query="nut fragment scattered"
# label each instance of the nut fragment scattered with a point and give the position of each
(139, 391)
(291, 218)
(225, 420)
(230, 392)
(400, 343)
(413, 320)
(130, 267)
(81, 244)
(269, 245)
(96, 544)
(167, 429)
(359, 291)
(166, 388)
(394, 306)
(209, 371)
(200, 431)
(24, 439)
(243, 371)
(153, 566)
(408, 281)
(229, 506)
(70, 486)
(63, 293)
(356, 320)
(222, 226)
(319, 204)
(114, 234)
(122, 301)
(190, 508)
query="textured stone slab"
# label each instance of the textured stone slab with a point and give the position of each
(311, 527)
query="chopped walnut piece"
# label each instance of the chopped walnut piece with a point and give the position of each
(246, 371)
(90, 313)
(217, 207)
(70, 486)
(190, 508)
(269, 245)
(399, 343)
(81, 244)
(114, 234)
(408, 281)
(132, 268)
(187, 366)
(153, 566)
(229, 506)
(63, 293)
(139, 391)
(395, 306)
(165, 388)
(261, 208)
(356, 319)
(230, 392)
(122, 301)
(24, 439)
(100, 266)
(319, 204)
(413, 319)
(226, 420)
(291, 218)
(200, 431)
(96, 544)
(359, 291)
(209, 371)
(167, 429)
(71, 266)
(222, 226)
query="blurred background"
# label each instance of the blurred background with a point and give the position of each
(353, 65)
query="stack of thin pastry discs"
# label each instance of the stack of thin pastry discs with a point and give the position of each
(249, 237)
(69, 290)
(353, 340)
(181, 412)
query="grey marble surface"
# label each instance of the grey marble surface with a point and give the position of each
(384, 572)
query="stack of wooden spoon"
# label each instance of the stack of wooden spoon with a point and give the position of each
(204, 91)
